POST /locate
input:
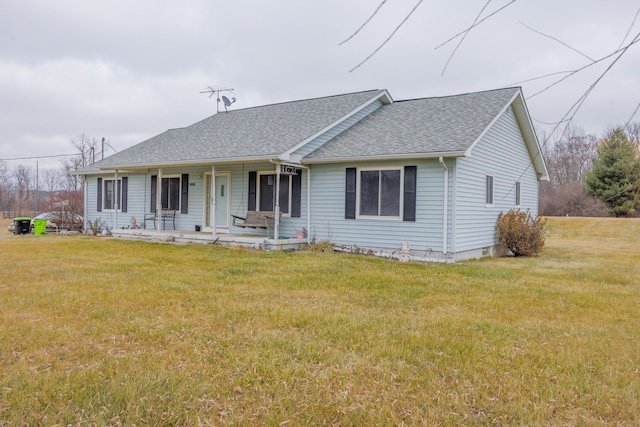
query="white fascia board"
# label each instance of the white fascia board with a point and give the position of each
(198, 162)
(531, 138)
(383, 96)
(400, 156)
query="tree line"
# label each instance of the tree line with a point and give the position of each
(27, 190)
(590, 175)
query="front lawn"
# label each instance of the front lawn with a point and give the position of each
(115, 332)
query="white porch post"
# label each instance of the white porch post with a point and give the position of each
(159, 200)
(308, 202)
(116, 205)
(276, 210)
(212, 216)
(86, 202)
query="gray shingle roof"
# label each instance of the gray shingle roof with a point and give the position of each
(426, 126)
(251, 133)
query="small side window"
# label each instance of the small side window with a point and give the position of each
(517, 193)
(489, 190)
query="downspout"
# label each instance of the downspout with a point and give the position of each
(445, 220)
(212, 215)
(115, 200)
(159, 199)
(276, 210)
(308, 202)
(86, 201)
(308, 168)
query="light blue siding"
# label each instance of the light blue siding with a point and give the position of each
(335, 131)
(501, 152)
(328, 210)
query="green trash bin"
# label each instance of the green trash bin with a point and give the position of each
(39, 226)
(21, 225)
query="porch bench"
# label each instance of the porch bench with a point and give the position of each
(255, 219)
(166, 214)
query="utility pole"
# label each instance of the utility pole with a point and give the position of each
(37, 188)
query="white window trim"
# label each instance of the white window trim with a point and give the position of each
(275, 176)
(106, 208)
(518, 194)
(159, 196)
(401, 201)
(493, 190)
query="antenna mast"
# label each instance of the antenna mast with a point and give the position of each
(214, 90)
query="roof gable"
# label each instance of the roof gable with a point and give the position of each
(423, 127)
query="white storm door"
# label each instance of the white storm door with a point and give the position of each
(222, 201)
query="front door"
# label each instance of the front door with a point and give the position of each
(222, 202)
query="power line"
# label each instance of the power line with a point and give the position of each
(388, 38)
(363, 25)
(464, 37)
(40, 157)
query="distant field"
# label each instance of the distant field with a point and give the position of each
(101, 331)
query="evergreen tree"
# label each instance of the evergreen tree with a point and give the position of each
(615, 174)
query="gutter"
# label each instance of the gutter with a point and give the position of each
(375, 157)
(445, 220)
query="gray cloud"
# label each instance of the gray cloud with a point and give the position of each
(129, 70)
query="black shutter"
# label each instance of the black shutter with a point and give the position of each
(409, 211)
(99, 208)
(154, 189)
(251, 203)
(350, 194)
(184, 204)
(125, 191)
(296, 193)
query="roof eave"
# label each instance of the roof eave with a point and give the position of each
(399, 156)
(197, 162)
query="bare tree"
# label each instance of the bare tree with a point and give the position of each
(632, 130)
(86, 149)
(5, 188)
(51, 179)
(23, 177)
(570, 157)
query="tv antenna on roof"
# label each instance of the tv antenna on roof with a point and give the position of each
(214, 90)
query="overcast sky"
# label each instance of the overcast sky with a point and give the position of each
(128, 70)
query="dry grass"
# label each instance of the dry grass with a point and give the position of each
(104, 331)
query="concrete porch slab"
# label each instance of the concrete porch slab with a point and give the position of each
(255, 241)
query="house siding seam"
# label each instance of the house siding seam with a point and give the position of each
(337, 130)
(475, 222)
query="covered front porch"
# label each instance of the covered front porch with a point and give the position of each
(254, 241)
(196, 207)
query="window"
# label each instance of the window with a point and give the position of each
(267, 191)
(517, 193)
(489, 190)
(170, 196)
(262, 190)
(174, 193)
(110, 191)
(380, 192)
